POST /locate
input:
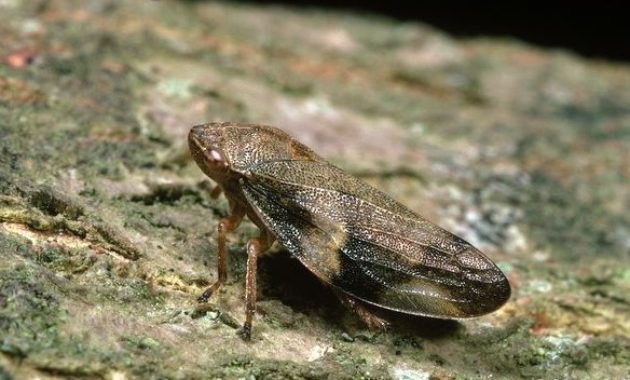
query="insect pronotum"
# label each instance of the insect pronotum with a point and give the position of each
(365, 245)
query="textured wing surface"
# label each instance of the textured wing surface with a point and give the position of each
(370, 246)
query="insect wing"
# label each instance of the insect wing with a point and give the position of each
(368, 245)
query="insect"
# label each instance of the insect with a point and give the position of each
(365, 245)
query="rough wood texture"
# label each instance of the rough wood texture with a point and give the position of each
(107, 228)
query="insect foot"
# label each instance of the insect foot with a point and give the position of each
(350, 235)
(203, 298)
(376, 323)
(245, 332)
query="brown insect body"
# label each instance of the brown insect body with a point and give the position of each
(350, 235)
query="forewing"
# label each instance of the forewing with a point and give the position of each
(368, 245)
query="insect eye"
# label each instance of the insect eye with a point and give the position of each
(215, 155)
(212, 155)
(214, 158)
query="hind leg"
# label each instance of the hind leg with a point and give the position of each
(372, 321)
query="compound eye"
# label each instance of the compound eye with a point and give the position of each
(215, 155)
(214, 158)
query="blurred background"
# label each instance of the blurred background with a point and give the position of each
(596, 29)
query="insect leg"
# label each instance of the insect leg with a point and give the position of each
(372, 321)
(216, 191)
(226, 225)
(255, 247)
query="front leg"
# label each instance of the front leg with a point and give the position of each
(226, 225)
(255, 247)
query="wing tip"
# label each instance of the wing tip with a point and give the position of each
(494, 297)
(474, 302)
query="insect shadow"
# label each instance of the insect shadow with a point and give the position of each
(284, 278)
